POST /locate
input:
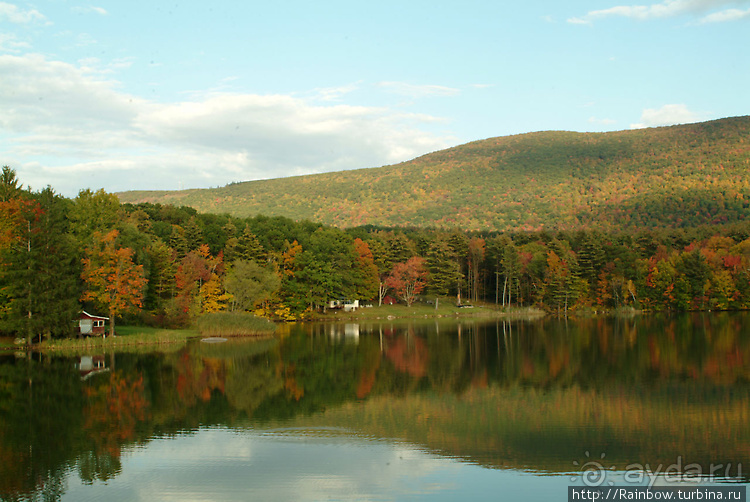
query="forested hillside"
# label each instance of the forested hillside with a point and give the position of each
(673, 177)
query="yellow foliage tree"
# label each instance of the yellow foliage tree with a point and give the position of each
(213, 297)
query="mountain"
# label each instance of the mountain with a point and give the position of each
(673, 176)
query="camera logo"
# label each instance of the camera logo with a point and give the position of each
(592, 471)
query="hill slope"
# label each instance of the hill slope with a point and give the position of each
(662, 177)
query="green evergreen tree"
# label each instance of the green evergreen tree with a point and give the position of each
(443, 264)
(511, 267)
(590, 255)
(178, 241)
(249, 247)
(193, 234)
(9, 185)
(41, 270)
(161, 276)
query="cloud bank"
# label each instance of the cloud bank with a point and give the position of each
(72, 128)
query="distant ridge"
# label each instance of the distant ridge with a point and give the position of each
(675, 176)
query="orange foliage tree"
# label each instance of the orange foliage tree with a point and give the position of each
(113, 280)
(369, 279)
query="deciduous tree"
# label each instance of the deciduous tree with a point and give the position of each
(250, 284)
(93, 212)
(409, 278)
(112, 280)
(367, 283)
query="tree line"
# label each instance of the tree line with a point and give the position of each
(164, 265)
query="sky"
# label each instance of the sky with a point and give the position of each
(147, 95)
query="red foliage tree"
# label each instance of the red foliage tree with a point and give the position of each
(408, 279)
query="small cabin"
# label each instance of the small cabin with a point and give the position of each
(91, 325)
(347, 305)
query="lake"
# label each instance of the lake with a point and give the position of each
(425, 410)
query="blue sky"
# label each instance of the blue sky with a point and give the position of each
(150, 95)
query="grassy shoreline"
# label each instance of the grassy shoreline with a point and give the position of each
(128, 338)
(143, 338)
(445, 309)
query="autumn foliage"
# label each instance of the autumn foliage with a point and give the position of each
(113, 281)
(408, 279)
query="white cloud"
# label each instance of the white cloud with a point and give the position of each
(91, 8)
(578, 20)
(667, 115)
(418, 91)
(71, 127)
(726, 16)
(667, 9)
(10, 43)
(334, 93)
(604, 122)
(15, 15)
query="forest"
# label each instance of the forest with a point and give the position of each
(165, 266)
(669, 177)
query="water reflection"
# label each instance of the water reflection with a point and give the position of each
(543, 397)
(262, 466)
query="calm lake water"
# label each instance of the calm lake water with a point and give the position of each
(433, 410)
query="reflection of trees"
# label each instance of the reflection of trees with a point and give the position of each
(199, 377)
(448, 354)
(320, 370)
(409, 354)
(113, 410)
(41, 402)
(599, 352)
(250, 382)
(500, 393)
(94, 466)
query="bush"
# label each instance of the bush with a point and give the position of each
(233, 324)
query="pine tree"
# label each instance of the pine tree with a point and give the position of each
(39, 277)
(445, 272)
(9, 186)
(249, 247)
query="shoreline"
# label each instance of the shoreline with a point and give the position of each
(136, 338)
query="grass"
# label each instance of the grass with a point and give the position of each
(446, 308)
(129, 338)
(6, 342)
(233, 324)
(148, 339)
